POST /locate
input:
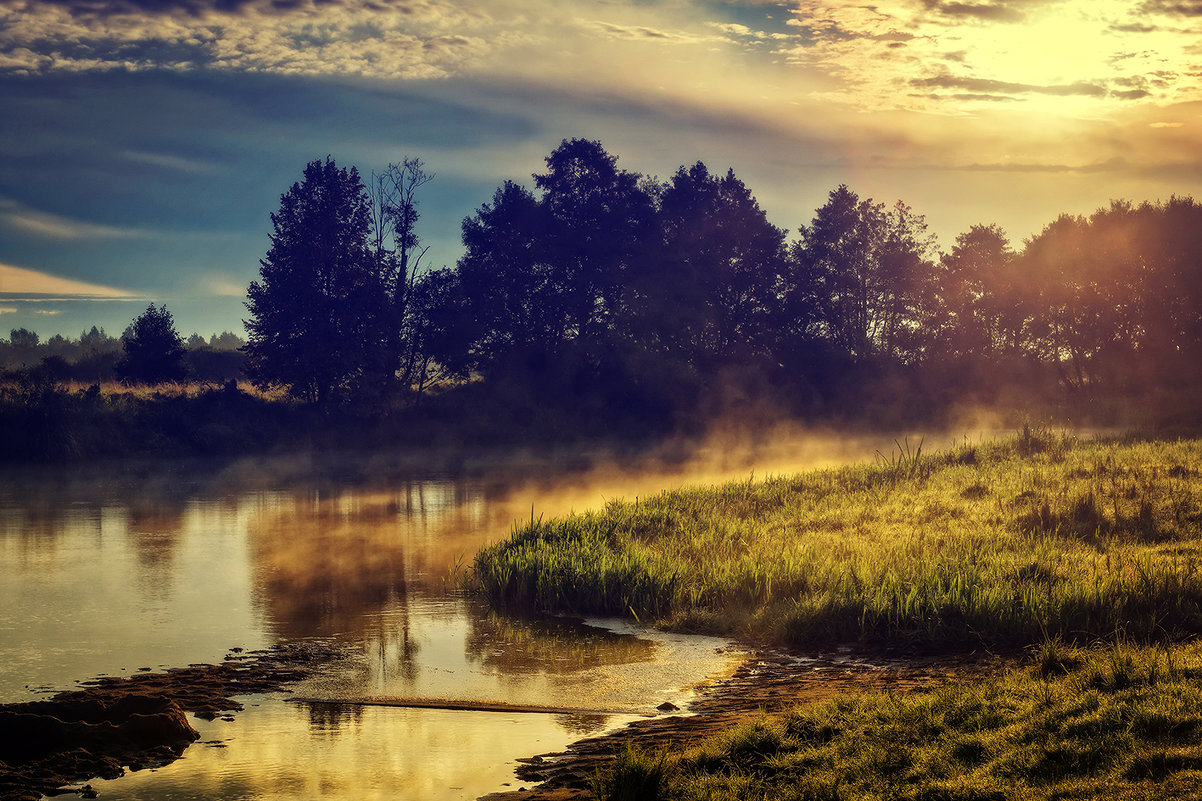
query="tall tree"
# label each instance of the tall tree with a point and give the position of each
(154, 351)
(711, 294)
(1073, 318)
(399, 252)
(600, 222)
(542, 276)
(869, 271)
(319, 311)
(513, 302)
(978, 312)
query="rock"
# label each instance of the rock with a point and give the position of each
(668, 706)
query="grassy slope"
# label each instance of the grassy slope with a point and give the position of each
(1115, 723)
(1040, 539)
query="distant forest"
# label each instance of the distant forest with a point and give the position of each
(94, 356)
(617, 302)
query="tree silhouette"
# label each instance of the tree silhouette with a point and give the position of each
(600, 223)
(154, 351)
(543, 279)
(711, 293)
(869, 270)
(320, 311)
(978, 312)
(399, 252)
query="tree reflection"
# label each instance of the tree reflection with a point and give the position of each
(330, 719)
(514, 645)
(321, 563)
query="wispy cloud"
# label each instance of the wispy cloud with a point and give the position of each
(19, 283)
(20, 217)
(977, 51)
(168, 161)
(222, 287)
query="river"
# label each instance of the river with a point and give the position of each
(134, 566)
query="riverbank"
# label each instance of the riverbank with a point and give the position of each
(769, 682)
(1015, 547)
(998, 544)
(135, 721)
(1117, 721)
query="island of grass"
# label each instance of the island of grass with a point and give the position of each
(1084, 553)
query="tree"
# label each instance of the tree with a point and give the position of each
(600, 222)
(399, 252)
(711, 294)
(154, 351)
(320, 311)
(868, 270)
(1076, 313)
(513, 305)
(543, 280)
(978, 311)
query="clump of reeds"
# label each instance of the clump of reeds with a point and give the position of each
(1035, 537)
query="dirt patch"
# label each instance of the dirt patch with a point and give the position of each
(135, 722)
(770, 681)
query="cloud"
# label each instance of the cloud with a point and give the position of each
(222, 287)
(52, 226)
(420, 39)
(993, 12)
(642, 32)
(989, 86)
(168, 161)
(1116, 164)
(48, 312)
(18, 283)
(1021, 50)
(1188, 8)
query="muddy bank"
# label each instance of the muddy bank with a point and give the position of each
(135, 722)
(770, 681)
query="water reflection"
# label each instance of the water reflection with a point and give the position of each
(527, 646)
(147, 567)
(329, 719)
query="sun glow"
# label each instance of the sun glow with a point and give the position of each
(1071, 55)
(1064, 45)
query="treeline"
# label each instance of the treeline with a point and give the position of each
(95, 357)
(601, 303)
(657, 303)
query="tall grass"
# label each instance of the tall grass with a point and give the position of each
(1040, 536)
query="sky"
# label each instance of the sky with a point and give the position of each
(145, 143)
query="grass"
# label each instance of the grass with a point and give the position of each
(1039, 537)
(42, 421)
(1035, 541)
(1115, 722)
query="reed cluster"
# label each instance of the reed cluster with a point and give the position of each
(1043, 536)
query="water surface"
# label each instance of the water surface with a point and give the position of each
(155, 564)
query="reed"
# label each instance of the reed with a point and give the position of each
(1039, 536)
